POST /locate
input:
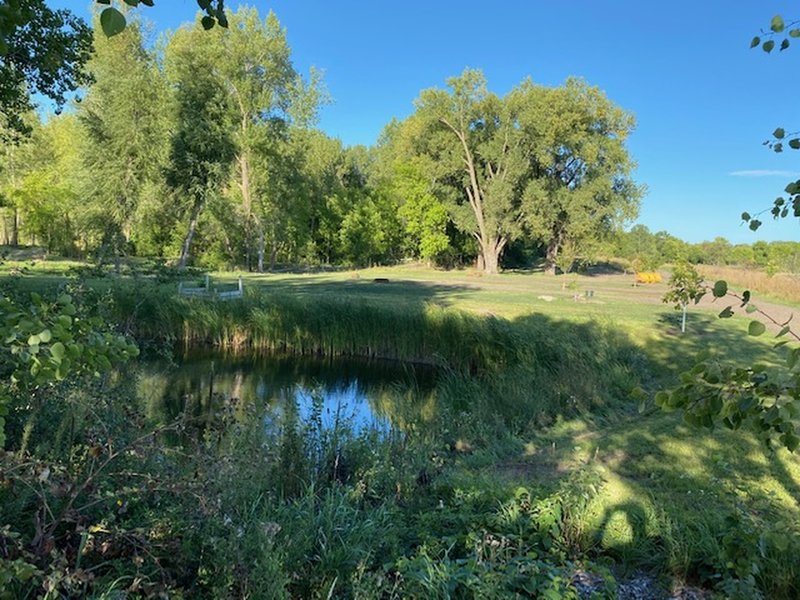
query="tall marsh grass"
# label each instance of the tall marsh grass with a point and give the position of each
(782, 286)
(526, 367)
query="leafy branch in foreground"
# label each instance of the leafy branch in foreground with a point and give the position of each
(757, 397)
(44, 342)
(781, 207)
(777, 27)
(113, 21)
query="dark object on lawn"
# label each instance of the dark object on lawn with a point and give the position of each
(380, 280)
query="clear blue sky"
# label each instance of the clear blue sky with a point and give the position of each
(703, 100)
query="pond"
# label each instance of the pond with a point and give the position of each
(357, 393)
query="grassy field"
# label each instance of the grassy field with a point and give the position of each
(670, 500)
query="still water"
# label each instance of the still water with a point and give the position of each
(358, 393)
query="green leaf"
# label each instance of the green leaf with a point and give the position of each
(794, 144)
(745, 216)
(112, 21)
(786, 329)
(795, 33)
(784, 44)
(755, 224)
(745, 297)
(756, 328)
(207, 22)
(57, 351)
(727, 313)
(45, 336)
(778, 148)
(33, 340)
(777, 25)
(720, 289)
(133, 3)
(779, 133)
(768, 46)
(755, 42)
(751, 308)
(791, 442)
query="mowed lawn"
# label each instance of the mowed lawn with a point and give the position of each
(509, 295)
(637, 310)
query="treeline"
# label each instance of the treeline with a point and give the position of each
(203, 149)
(647, 251)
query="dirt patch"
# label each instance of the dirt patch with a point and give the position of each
(532, 470)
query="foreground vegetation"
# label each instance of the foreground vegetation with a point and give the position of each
(529, 469)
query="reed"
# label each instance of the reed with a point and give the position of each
(527, 368)
(782, 286)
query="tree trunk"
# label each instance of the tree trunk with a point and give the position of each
(15, 228)
(553, 248)
(273, 254)
(261, 244)
(247, 205)
(683, 320)
(490, 261)
(550, 258)
(490, 255)
(187, 241)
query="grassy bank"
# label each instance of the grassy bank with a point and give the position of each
(531, 464)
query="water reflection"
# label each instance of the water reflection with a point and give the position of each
(362, 394)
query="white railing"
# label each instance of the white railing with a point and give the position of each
(208, 292)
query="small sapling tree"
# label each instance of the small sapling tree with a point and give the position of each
(685, 286)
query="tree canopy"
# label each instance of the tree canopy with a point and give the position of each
(548, 163)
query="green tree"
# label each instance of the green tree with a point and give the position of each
(685, 286)
(17, 162)
(42, 51)
(369, 230)
(544, 162)
(580, 187)
(251, 61)
(640, 247)
(202, 150)
(125, 116)
(423, 215)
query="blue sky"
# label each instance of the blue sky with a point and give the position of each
(703, 100)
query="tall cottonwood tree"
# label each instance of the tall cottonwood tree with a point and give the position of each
(539, 162)
(253, 65)
(126, 118)
(201, 148)
(476, 152)
(580, 186)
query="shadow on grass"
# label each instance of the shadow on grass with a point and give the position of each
(400, 292)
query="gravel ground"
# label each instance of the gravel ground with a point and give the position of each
(639, 587)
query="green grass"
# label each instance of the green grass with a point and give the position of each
(668, 498)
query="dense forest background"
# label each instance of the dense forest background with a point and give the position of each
(201, 148)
